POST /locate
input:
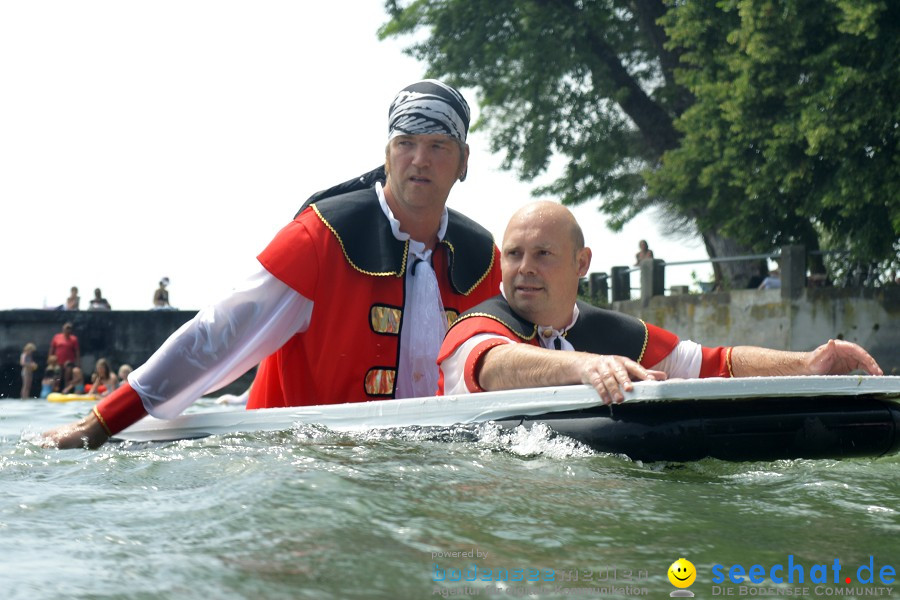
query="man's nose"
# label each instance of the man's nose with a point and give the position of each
(421, 155)
(526, 265)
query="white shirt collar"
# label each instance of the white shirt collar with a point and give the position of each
(416, 247)
(546, 334)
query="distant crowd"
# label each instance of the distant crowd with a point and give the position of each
(63, 372)
(98, 302)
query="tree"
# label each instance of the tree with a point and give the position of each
(794, 133)
(598, 81)
(589, 80)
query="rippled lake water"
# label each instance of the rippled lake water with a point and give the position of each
(310, 513)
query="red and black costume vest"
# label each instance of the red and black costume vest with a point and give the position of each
(340, 253)
(597, 330)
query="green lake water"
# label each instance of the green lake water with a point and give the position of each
(310, 513)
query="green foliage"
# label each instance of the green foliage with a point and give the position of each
(795, 127)
(764, 121)
(555, 76)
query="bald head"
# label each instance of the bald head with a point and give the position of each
(550, 216)
(542, 260)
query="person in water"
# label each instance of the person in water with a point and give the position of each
(510, 341)
(351, 299)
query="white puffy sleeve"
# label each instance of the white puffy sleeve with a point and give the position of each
(221, 343)
(683, 362)
(457, 378)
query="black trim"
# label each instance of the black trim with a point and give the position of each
(603, 331)
(597, 330)
(364, 181)
(357, 219)
(499, 309)
(364, 232)
(471, 252)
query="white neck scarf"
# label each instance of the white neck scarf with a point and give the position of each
(424, 320)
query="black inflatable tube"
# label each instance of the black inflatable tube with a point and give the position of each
(761, 429)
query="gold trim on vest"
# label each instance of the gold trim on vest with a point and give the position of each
(337, 236)
(502, 322)
(646, 341)
(483, 275)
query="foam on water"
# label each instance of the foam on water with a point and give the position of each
(538, 440)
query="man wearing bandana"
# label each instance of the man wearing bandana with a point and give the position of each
(351, 299)
(510, 341)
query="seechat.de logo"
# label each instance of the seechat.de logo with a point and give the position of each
(795, 572)
(682, 574)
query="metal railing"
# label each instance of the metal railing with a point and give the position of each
(793, 266)
(653, 277)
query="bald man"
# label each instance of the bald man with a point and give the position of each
(512, 340)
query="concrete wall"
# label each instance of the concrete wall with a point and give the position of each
(119, 336)
(869, 317)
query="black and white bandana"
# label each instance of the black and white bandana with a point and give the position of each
(429, 107)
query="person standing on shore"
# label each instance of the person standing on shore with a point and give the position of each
(98, 302)
(65, 346)
(73, 300)
(29, 366)
(644, 253)
(161, 296)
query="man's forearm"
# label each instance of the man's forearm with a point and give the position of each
(834, 357)
(516, 366)
(752, 361)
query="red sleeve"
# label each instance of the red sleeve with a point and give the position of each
(120, 409)
(472, 369)
(716, 362)
(659, 345)
(463, 330)
(469, 327)
(291, 256)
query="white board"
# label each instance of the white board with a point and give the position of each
(488, 406)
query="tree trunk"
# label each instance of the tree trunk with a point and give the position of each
(729, 275)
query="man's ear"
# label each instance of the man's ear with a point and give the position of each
(464, 167)
(583, 258)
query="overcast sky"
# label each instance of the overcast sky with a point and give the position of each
(174, 138)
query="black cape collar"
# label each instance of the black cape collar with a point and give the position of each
(498, 309)
(357, 221)
(597, 330)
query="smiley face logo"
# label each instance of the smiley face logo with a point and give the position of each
(682, 573)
